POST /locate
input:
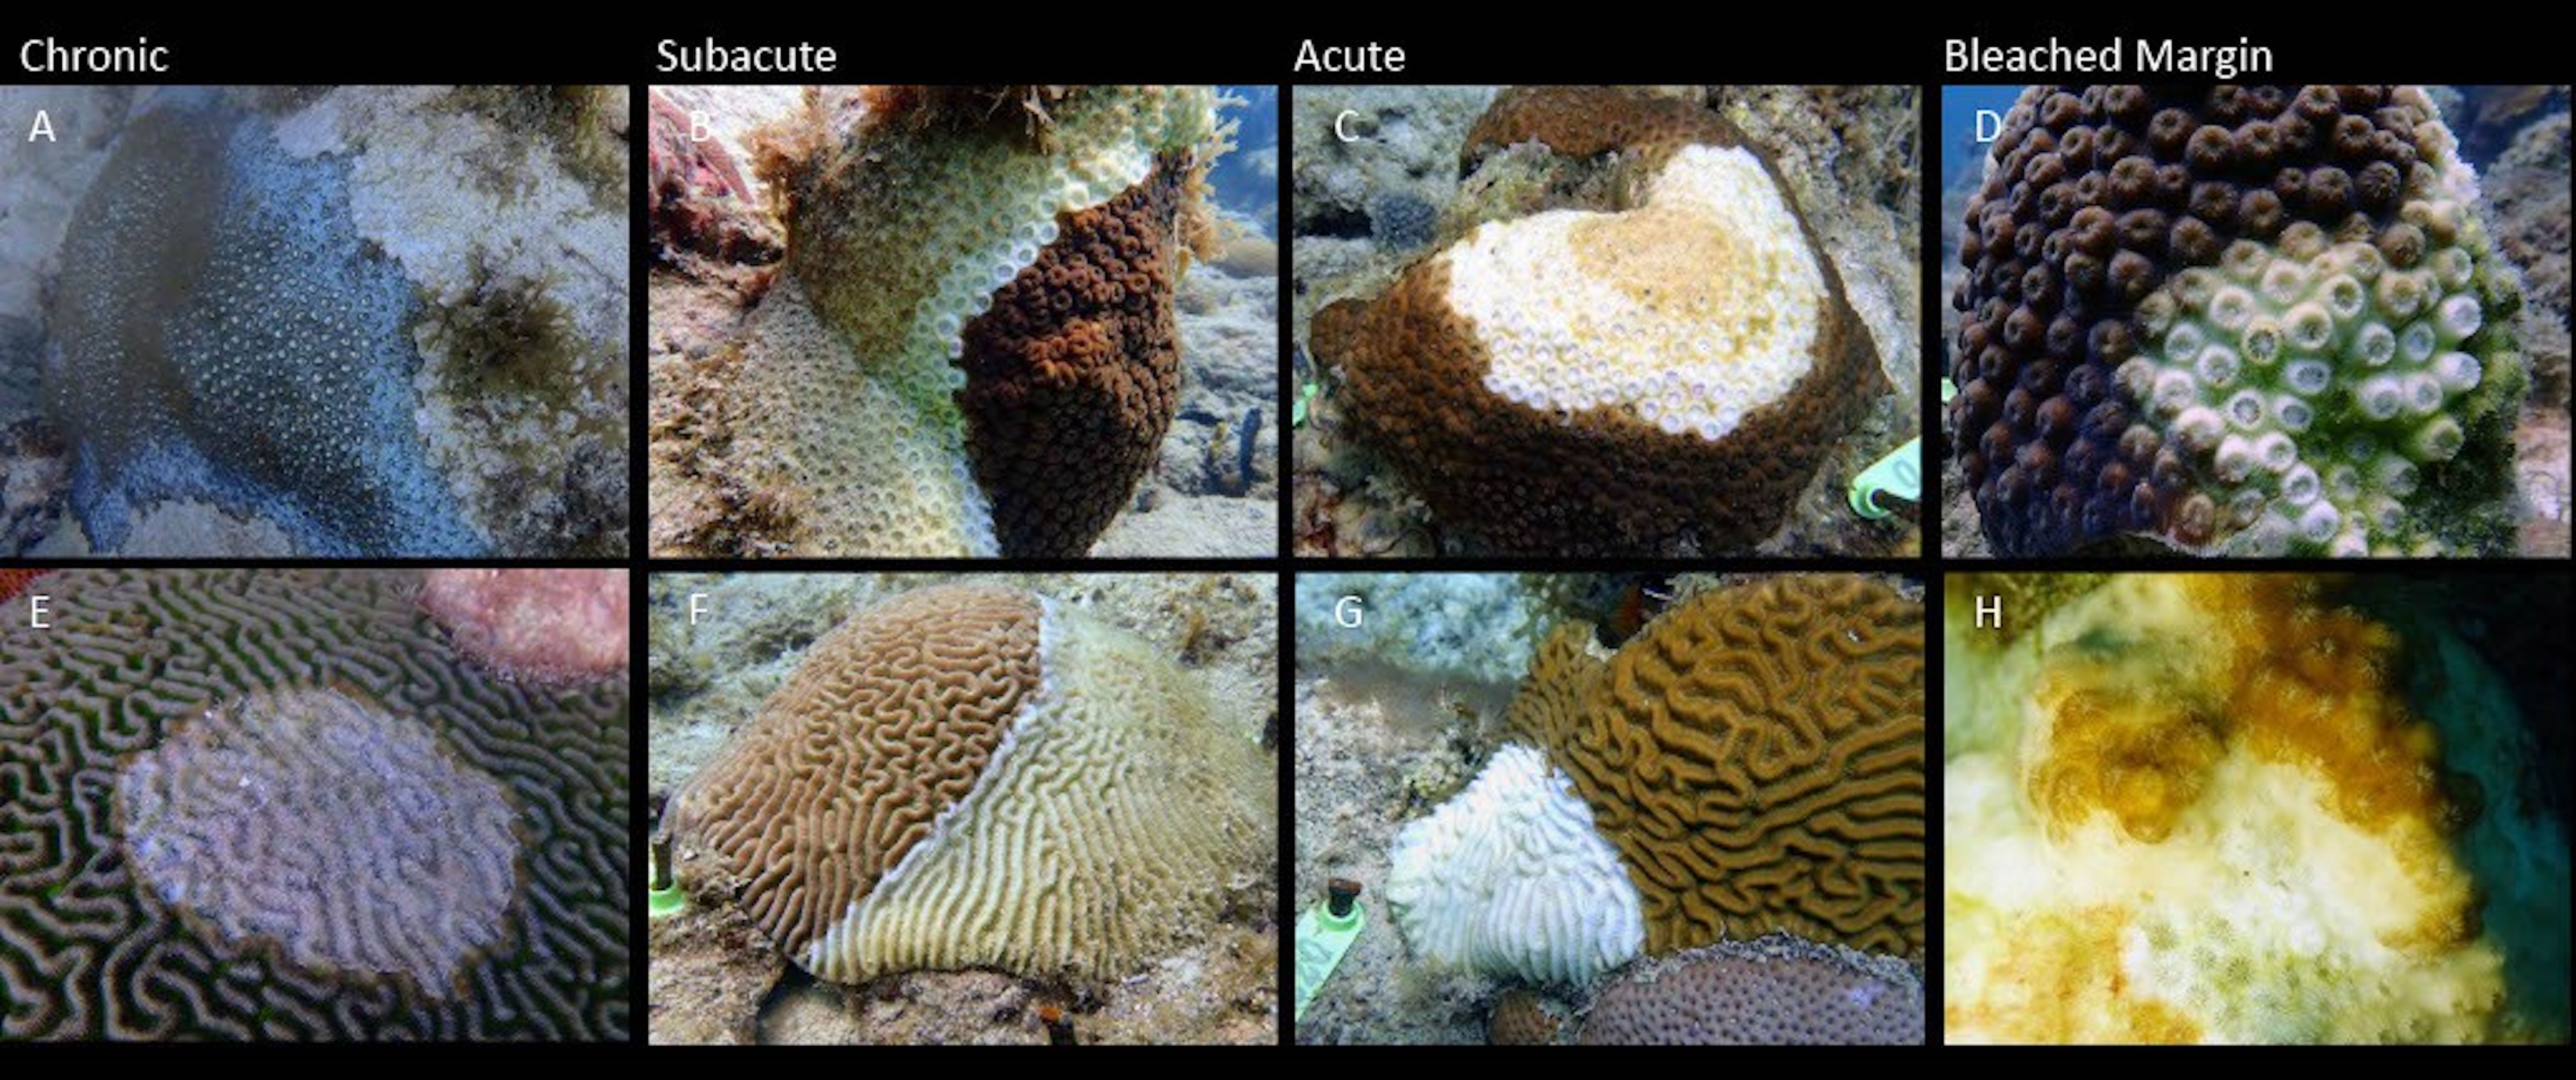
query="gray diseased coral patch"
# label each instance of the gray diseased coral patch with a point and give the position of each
(220, 332)
(345, 834)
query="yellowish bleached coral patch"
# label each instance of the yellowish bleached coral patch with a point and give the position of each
(2197, 808)
(1692, 310)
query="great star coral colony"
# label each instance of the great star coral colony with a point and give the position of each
(974, 775)
(104, 935)
(975, 350)
(2208, 808)
(1613, 381)
(1751, 763)
(2238, 319)
(222, 333)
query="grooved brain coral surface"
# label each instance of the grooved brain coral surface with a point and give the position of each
(343, 833)
(904, 233)
(221, 333)
(1511, 877)
(1604, 382)
(89, 946)
(1773, 991)
(1090, 814)
(1074, 374)
(2241, 319)
(888, 723)
(1756, 754)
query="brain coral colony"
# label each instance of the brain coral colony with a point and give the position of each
(956, 321)
(315, 321)
(2256, 808)
(1602, 321)
(2247, 320)
(990, 799)
(286, 805)
(1700, 821)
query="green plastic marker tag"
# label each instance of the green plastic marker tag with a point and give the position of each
(662, 903)
(1322, 939)
(1899, 474)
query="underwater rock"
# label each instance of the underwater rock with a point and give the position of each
(2255, 320)
(965, 776)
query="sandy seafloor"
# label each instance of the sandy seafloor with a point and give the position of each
(1363, 211)
(711, 974)
(1200, 501)
(2517, 139)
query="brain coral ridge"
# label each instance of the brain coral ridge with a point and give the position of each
(280, 805)
(1756, 755)
(974, 775)
(2235, 319)
(1613, 381)
(982, 354)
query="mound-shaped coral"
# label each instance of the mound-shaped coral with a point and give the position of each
(1575, 382)
(2237, 319)
(989, 361)
(90, 947)
(1756, 754)
(1510, 876)
(1772, 991)
(219, 332)
(346, 835)
(2206, 808)
(977, 776)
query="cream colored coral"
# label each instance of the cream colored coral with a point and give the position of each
(1690, 311)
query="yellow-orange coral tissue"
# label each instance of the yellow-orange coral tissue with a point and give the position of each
(2270, 808)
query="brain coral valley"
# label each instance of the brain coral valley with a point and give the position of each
(1664, 371)
(972, 348)
(1750, 764)
(978, 776)
(281, 805)
(312, 313)
(2234, 319)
